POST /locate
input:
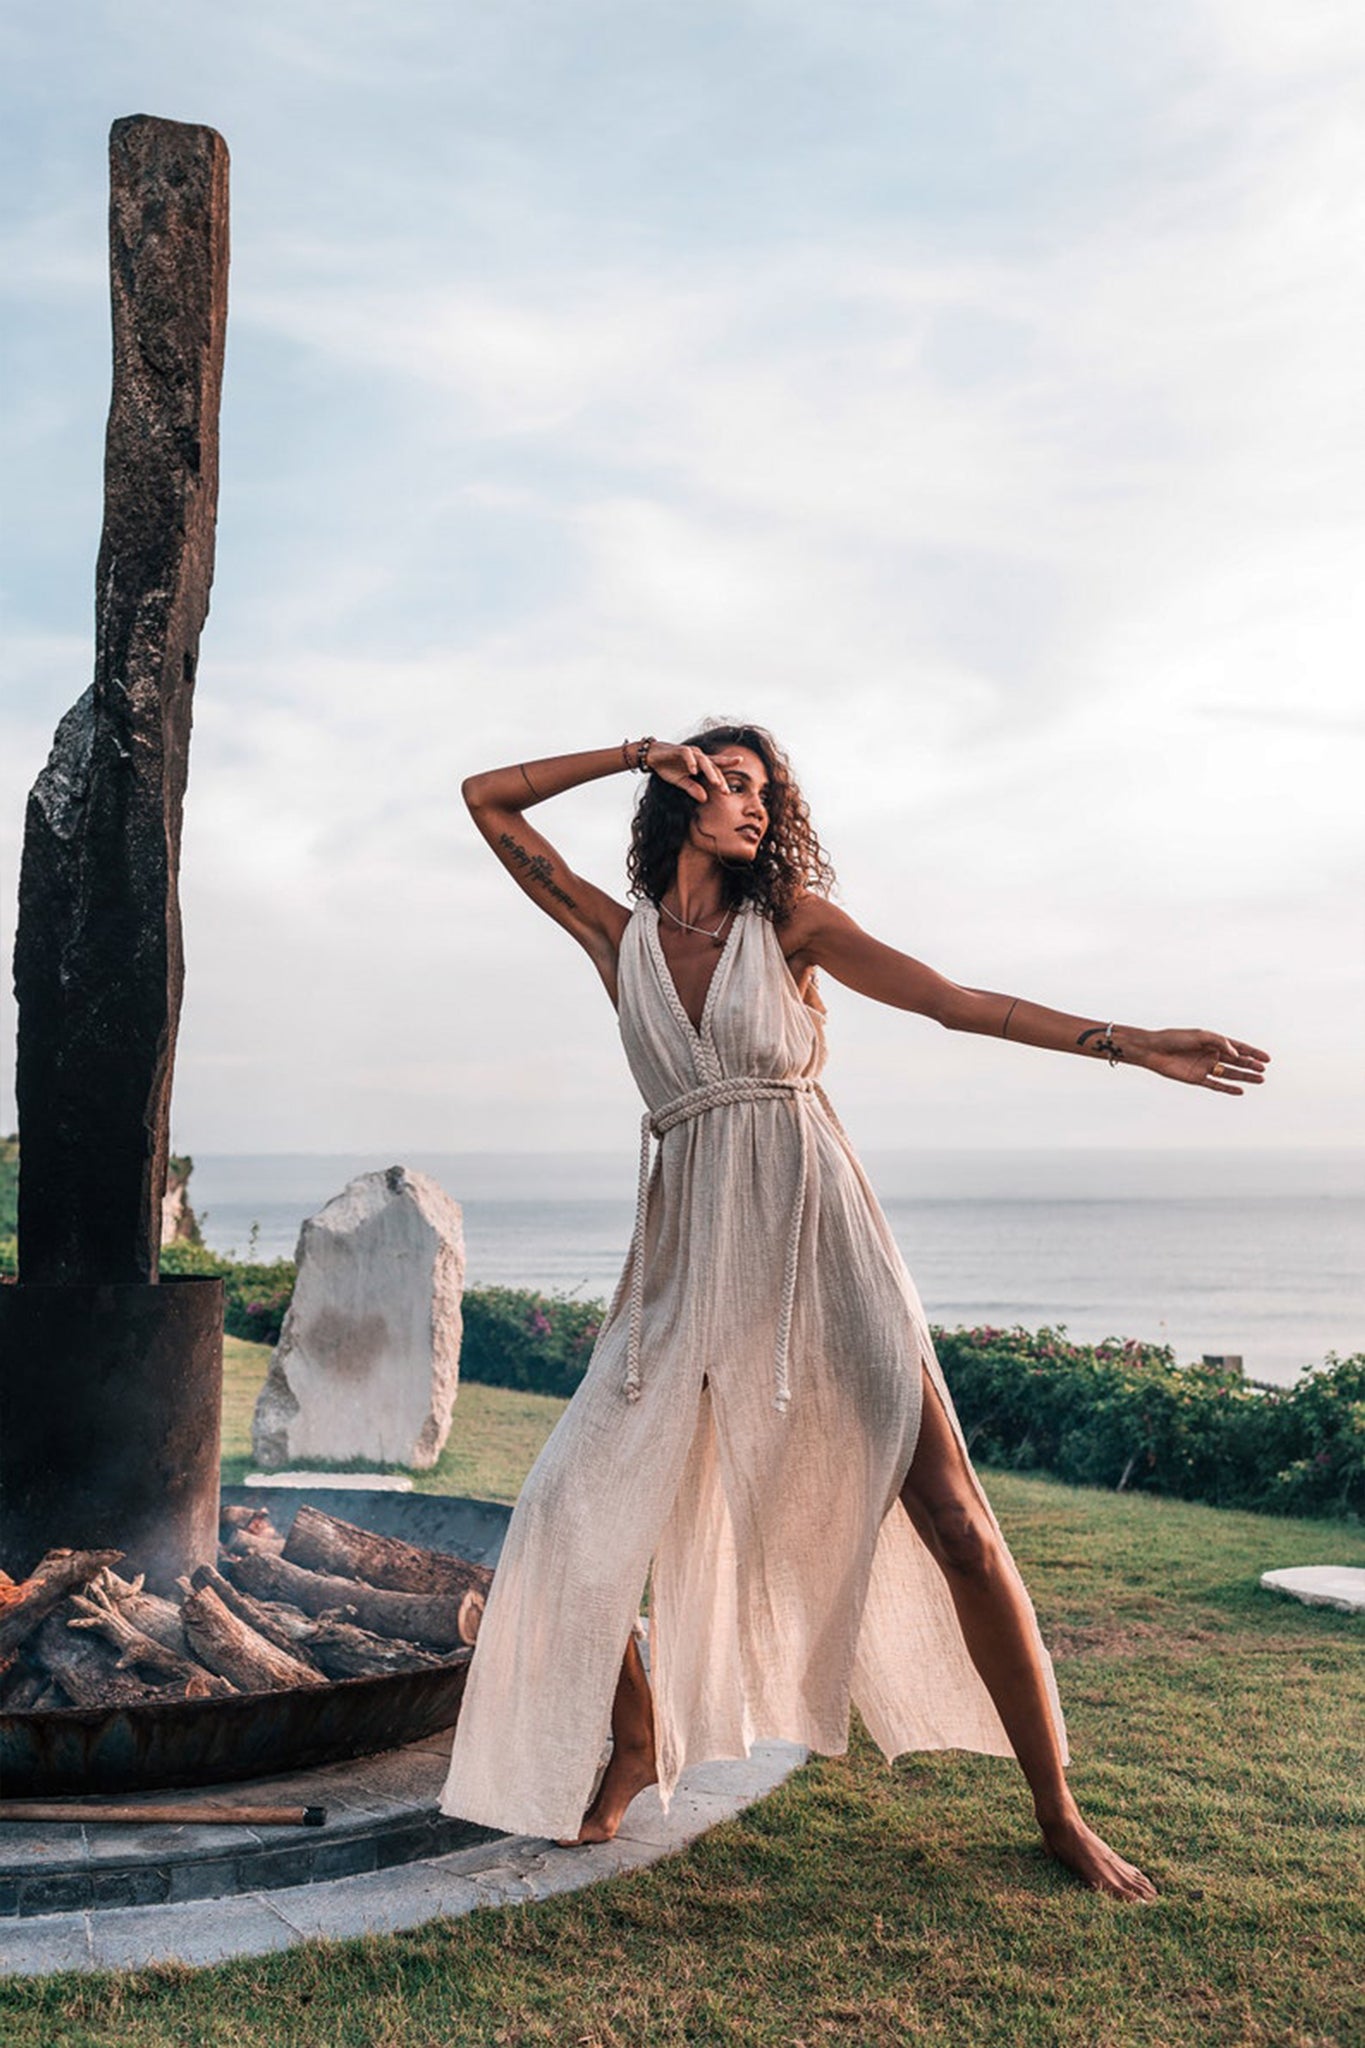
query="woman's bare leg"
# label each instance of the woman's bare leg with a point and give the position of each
(633, 1764)
(941, 1499)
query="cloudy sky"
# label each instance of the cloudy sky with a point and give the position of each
(969, 391)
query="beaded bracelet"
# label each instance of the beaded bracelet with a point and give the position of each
(642, 747)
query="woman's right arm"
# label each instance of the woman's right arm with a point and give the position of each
(498, 801)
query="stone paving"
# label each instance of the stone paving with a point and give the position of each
(1321, 1585)
(278, 1911)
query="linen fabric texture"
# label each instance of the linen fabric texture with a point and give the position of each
(786, 1578)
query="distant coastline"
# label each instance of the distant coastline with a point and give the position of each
(1253, 1253)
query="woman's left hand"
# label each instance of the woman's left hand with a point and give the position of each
(1205, 1059)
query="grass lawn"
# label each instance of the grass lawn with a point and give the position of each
(1216, 1734)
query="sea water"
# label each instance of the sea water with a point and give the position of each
(1260, 1254)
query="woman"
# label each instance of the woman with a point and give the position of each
(764, 1429)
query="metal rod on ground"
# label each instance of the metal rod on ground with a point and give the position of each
(192, 1816)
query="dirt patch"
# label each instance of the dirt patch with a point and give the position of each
(1127, 1639)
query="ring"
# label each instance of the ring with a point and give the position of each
(1216, 1068)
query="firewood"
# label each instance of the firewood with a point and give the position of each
(422, 1618)
(321, 1543)
(157, 1618)
(264, 1542)
(96, 1609)
(347, 1652)
(24, 1606)
(234, 1649)
(289, 1628)
(470, 1615)
(85, 1667)
(238, 1518)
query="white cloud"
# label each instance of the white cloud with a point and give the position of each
(1039, 546)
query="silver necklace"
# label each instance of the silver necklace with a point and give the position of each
(683, 925)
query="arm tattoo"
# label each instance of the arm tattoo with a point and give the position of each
(536, 869)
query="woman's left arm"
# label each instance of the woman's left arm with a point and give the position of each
(819, 934)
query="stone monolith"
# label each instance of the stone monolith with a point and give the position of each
(98, 969)
(368, 1360)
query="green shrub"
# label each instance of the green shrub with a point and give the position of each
(255, 1297)
(1126, 1415)
(537, 1343)
(9, 1187)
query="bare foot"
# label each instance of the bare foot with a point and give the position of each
(629, 1771)
(1094, 1862)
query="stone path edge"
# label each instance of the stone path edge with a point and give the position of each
(508, 1870)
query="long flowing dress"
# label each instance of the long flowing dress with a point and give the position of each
(740, 1437)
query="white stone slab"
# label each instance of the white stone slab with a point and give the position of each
(368, 1361)
(1321, 1585)
(343, 1482)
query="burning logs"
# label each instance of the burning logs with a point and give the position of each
(76, 1634)
(24, 1606)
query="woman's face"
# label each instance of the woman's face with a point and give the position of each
(732, 821)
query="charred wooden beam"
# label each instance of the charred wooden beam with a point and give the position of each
(321, 1543)
(425, 1618)
(86, 1668)
(97, 1610)
(24, 1606)
(229, 1646)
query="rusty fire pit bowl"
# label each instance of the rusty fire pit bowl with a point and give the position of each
(171, 1743)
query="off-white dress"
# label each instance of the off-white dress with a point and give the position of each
(741, 1436)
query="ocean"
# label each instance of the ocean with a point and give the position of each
(1261, 1254)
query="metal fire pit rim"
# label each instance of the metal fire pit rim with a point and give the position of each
(154, 1708)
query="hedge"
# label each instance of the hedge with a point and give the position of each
(1126, 1415)
(1117, 1414)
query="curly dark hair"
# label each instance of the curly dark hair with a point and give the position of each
(790, 860)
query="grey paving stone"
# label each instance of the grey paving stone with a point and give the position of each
(274, 1869)
(118, 1844)
(1321, 1585)
(149, 1885)
(211, 1879)
(39, 1948)
(57, 1892)
(209, 1931)
(383, 1903)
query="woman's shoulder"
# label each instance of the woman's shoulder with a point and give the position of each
(809, 917)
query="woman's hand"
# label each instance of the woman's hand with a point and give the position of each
(688, 768)
(1204, 1059)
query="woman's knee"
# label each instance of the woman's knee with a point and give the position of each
(963, 1537)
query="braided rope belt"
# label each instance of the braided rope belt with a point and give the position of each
(682, 1109)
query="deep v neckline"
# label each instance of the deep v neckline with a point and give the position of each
(697, 1032)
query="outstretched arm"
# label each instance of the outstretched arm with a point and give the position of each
(821, 935)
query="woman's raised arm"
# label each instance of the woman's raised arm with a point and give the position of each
(819, 934)
(499, 798)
